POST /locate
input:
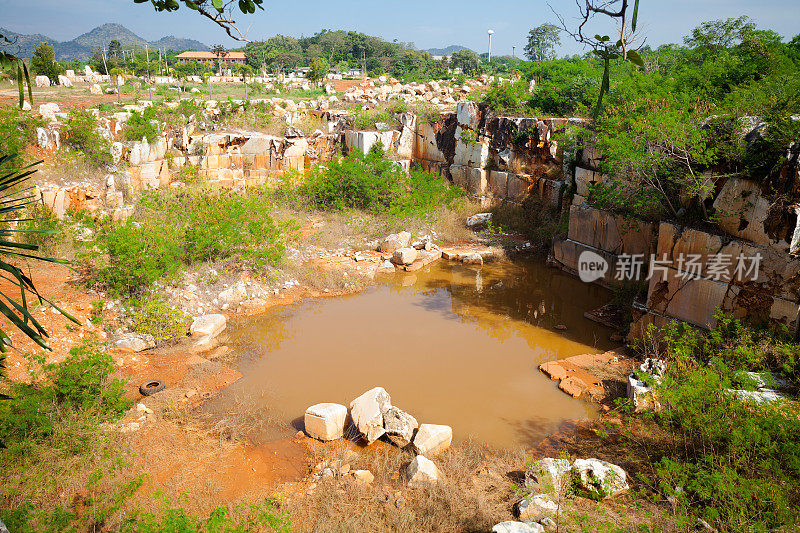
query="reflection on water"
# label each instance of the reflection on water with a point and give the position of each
(452, 344)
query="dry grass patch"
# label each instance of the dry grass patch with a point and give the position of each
(476, 493)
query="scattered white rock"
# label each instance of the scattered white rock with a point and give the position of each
(234, 294)
(135, 342)
(49, 110)
(387, 267)
(395, 241)
(144, 409)
(534, 508)
(363, 476)
(601, 477)
(548, 474)
(129, 427)
(208, 325)
(422, 471)
(399, 426)
(478, 219)
(367, 413)
(404, 256)
(510, 526)
(432, 439)
(325, 421)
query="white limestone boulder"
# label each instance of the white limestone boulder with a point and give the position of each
(386, 267)
(367, 413)
(536, 507)
(548, 474)
(432, 439)
(399, 426)
(478, 219)
(600, 477)
(510, 526)
(208, 325)
(49, 110)
(325, 421)
(135, 342)
(395, 241)
(363, 476)
(404, 256)
(422, 472)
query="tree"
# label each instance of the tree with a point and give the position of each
(467, 60)
(319, 69)
(245, 70)
(542, 42)
(44, 63)
(716, 34)
(114, 49)
(219, 51)
(602, 45)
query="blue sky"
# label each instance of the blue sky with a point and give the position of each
(426, 23)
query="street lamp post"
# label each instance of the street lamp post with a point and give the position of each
(490, 32)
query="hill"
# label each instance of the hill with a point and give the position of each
(23, 45)
(447, 51)
(83, 46)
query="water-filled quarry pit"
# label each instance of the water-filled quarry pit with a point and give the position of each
(452, 345)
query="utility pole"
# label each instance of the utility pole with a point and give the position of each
(490, 32)
(147, 59)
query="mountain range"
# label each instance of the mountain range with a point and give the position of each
(83, 46)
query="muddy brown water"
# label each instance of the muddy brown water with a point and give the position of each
(451, 344)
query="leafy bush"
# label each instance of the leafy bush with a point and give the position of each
(159, 319)
(171, 229)
(81, 134)
(17, 130)
(140, 125)
(79, 383)
(366, 119)
(138, 256)
(373, 183)
(733, 462)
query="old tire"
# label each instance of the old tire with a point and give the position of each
(151, 386)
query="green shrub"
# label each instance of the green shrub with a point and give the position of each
(733, 462)
(189, 174)
(171, 229)
(81, 134)
(365, 119)
(17, 130)
(468, 136)
(96, 313)
(138, 256)
(159, 319)
(80, 383)
(140, 125)
(373, 183)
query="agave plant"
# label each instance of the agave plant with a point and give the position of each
(15, 194)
